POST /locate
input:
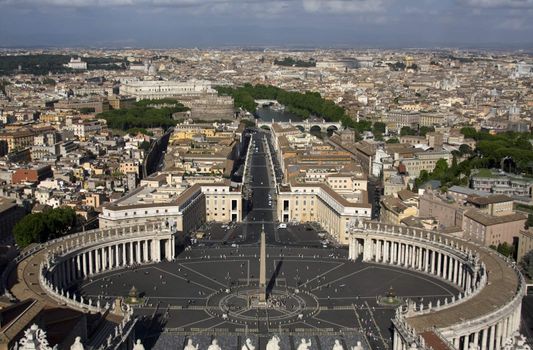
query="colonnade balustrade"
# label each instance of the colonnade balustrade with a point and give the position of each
(420, 251)
(454, 261)
(101, 251)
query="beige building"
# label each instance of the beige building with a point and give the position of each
(185, 209)
(130, 166)
(222, 202)
(497, 205)
(492, 230)
(15, 139)
(10, 214)
(435, 140)
(424, 161)
(525, 243)
(394, 210)
(446, 211)
(319, 203)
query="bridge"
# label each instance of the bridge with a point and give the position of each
(304, 125)
(266, 103)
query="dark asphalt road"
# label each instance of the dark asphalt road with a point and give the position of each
(262, 212)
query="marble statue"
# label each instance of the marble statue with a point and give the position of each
(337, 345)
(77, 344)
(304, 345)
(248, 345)
(273, 343)
(358, 346)
(190, 346)
(214, 345)
(473, 346)
(35, 339)
(138, 345)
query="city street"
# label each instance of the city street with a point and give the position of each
(260, 182)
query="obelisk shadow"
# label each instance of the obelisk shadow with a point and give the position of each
(273, 278)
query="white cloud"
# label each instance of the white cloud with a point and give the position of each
(344, 6)
(498, 3)
(111, 3)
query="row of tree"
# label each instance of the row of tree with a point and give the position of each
(303, 105)
(41, 227)
(143, 116)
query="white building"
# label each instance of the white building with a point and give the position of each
(156, 89)
(76, 63)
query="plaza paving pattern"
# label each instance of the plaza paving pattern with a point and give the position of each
(316, 293)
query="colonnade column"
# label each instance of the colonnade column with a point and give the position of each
(97, 256)
(492, 337)
(90, 262)
(78, 266)
(444, 266)
(426, 261)
(433, 262)
(84, 263)
(439, 258)
(499, 335)
(124, 260)
(111, 257)
(484, 338)
(145, 256)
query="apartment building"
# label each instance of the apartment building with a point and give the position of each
(502, 183)
(424, 161)
(394, 210)
(15, 139)
(35, 174)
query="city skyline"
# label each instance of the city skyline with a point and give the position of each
(283, 23)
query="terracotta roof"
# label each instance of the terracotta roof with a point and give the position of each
(489, 220)
(485, 200)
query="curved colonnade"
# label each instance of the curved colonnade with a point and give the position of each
(484, 314)
(50, 269)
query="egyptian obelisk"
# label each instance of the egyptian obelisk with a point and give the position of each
(262, 267)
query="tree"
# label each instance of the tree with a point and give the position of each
(527, 264)
(393, 140)
(469, 132)
(40, 227)
(406, 131)
(145, 145)
(505, 249)
(379, 127)
(29, 230)
(425, 129)
(465, 149)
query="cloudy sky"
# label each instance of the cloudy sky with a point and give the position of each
(304, 23)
